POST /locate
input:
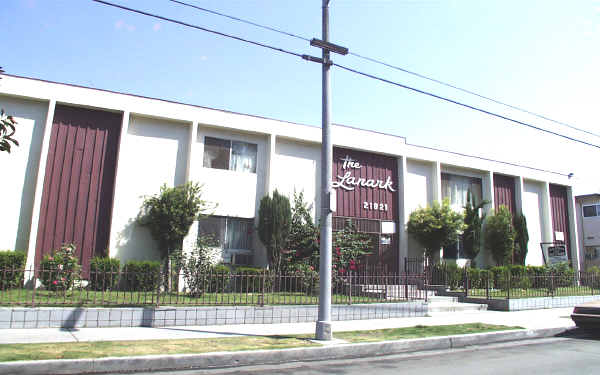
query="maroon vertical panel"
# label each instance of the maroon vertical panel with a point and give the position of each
(373, 169)
(560, 214)
(504, 192)
(79, 182)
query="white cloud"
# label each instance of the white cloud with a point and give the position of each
(122, 25)
(156, 26)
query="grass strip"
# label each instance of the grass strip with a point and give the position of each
(419, 331)
(100, 349)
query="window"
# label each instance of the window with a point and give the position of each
(231, 155)
(230, 232)
(591, 211)
(455, 188)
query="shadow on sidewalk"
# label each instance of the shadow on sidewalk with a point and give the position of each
(581, 334)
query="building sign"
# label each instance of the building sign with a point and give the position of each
(366, 184)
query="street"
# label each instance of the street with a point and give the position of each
(578, 355)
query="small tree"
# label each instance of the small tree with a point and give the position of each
(302, 240)
(274, 220)
(499, 235)
(169, 215)
(435, 226)
(471, 236)
(521, 239)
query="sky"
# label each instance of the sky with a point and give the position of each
(539, 55)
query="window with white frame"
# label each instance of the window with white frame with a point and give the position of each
(591, 211)
(456, 188)
(232, 233)
(231, 155)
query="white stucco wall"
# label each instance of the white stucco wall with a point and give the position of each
(155, 148)
(19, 171)
(532, 209)
(238, 194)
(154, 153)
(297, 167)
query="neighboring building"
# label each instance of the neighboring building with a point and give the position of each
(588, 228)
(87, 157)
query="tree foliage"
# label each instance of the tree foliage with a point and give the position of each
(7, 130)
(499, 235)
(521, 239)
(302, 244)
(349, 246)
(435, 226)
(274, 221)
(169, 214)
(471, 236)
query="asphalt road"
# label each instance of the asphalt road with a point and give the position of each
(576, 354)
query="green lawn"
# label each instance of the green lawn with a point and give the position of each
(75, 350)
(88, 298)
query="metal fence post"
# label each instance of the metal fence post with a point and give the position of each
(466, 282)
(508, 286)
(487, 286)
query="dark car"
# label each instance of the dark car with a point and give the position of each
(587, 315)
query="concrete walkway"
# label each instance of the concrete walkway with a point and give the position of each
(530, 319)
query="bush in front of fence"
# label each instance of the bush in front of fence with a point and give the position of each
(12, 264)
(104, 273)
(252, 280)
(141, 276)
(59, 270)
(302, 278)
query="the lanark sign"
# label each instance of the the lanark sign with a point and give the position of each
(348, 182)
(365, 184)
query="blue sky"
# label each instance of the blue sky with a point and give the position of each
(539, 55)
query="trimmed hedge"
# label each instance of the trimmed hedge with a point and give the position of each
(142, 276)
(12, 264)
(104, 273)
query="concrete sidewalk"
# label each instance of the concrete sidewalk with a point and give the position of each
(537, 324)
(529, 319)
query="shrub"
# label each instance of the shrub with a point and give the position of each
(563, 275)
(274, 221)
(220, 278)
(472, 233)
(169, 215)
(104, 273)
(12, 265)
(521, 239)
(302, 277)
(349, 245)
(250, 280)
(196, 265)
(60, 270)
(142, 276)
(302, 243)
(499, 236)
(435, 227)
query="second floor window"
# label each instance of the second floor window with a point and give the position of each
(232, 155)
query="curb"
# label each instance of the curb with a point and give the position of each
(265, 357)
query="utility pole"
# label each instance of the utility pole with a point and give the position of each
(323, 328)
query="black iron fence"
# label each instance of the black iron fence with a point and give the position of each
(57, 287)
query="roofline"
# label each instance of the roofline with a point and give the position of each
(584, 196)
(488, 159)
(284, 121)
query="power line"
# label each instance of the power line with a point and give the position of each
(240, 20)
(380, 62)
(198, 27)
(315, 59)
(462, 104)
